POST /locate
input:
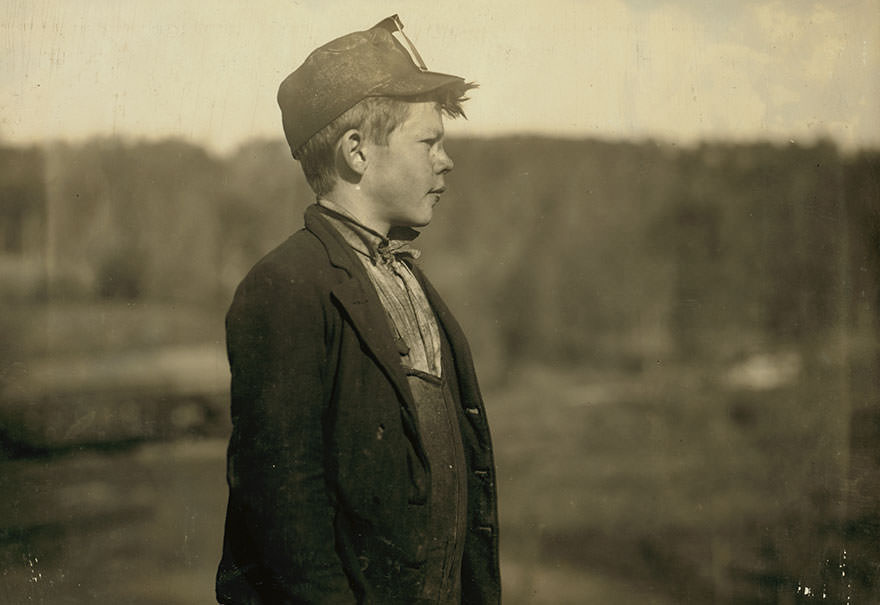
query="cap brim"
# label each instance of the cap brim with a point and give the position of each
(415, 84)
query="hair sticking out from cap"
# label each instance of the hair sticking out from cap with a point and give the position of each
(449, 98)
(456, 95)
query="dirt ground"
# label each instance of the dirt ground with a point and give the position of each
(143, 526)
(613, 489)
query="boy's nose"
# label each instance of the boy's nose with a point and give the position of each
(444, 162)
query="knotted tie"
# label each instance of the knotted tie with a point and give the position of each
(396, 249)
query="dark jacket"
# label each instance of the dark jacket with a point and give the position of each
(326, 471)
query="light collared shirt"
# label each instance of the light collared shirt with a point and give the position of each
(411, 318)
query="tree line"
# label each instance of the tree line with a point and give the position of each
(548, 249)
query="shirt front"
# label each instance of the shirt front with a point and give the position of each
(411, 319)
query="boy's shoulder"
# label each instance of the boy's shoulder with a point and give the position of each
(298, 266)
(298, 255)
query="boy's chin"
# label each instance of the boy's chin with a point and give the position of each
(416, 221)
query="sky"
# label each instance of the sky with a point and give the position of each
(680, 71)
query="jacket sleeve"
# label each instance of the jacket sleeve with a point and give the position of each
(277, 465)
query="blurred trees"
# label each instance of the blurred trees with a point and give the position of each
(547, 249)
(756, 233)
(22, 200)
(621, 253)
(162, 221)
(132, 221)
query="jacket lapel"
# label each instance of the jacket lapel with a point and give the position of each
(359, 300)
(368, 317)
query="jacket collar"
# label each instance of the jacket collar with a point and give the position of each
(339, 252)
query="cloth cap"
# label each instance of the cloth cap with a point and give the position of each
(341, 73)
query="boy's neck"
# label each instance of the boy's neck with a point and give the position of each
(353, 201)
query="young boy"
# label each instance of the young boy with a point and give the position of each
(360, 464)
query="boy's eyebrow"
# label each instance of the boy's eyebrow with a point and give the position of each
(431, 133)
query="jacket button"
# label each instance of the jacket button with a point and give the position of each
(473, 411)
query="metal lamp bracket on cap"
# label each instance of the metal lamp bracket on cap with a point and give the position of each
(394, 25)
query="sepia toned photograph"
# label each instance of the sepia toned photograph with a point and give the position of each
(553, 303)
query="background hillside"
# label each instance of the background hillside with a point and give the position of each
(679, 346)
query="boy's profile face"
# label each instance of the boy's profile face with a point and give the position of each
(405, 177)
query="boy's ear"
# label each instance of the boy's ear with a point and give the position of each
(351, 150)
